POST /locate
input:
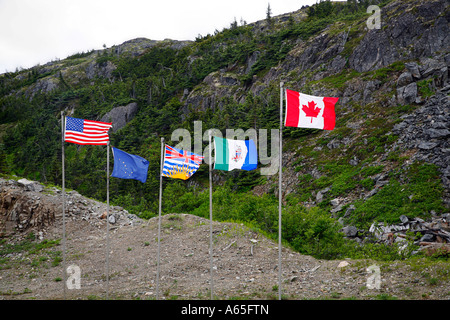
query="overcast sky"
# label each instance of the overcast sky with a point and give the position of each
(37, 31)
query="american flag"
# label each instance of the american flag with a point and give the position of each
(180, 164)
(82, 131)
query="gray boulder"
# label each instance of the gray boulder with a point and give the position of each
(404, 79)
(413, 69)
(120, 116)
(437, 133)
(373, 52)
(350, 231)
(31, 185)
(424, 145)
(407, 94)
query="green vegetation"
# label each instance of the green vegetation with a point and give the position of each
(425, 87)
(339, 80)
(30, 135)
(416, 197)
(313, 231)
(37, 254)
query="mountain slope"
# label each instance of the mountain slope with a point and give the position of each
(387, 157)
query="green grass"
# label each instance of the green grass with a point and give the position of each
(416, 197)
(385, 296)
(14, 293)
(383, 74)
(425, 87)
(340, 80)
(40, 253)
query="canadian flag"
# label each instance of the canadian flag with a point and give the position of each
(305, 111)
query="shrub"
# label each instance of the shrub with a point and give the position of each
(414, 198)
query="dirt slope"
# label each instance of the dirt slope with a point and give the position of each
(245, 266)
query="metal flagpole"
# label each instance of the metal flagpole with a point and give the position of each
(107, 220)
(63, 202)
(159, 219)
(210, 217)
(279, 190)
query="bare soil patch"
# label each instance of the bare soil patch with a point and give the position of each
(245, 263)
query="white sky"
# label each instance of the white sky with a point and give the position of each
(38, 31)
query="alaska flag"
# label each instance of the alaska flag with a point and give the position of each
(129, 166)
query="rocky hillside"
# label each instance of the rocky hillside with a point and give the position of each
(387, 157)
(244, 260)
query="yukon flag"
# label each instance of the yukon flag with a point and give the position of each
(305, 111)
(235, 154)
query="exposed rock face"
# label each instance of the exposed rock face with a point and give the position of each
(407, 33)
(136, 47)
(427, 131)
(44, 85)
(120, 116)
(21, 208)
(103, 70)
(215, 86)
(322, 48)
(29, 206)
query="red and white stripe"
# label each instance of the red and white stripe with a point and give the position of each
(94, 133)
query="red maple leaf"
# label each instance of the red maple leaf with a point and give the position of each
(311, 110)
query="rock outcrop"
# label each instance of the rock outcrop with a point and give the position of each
(409, 31)
(427, 131)
(429, 236)
(120, 116)
(28, 206)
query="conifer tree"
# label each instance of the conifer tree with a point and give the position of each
(269, 16)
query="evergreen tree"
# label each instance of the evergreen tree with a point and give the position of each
(269, 16)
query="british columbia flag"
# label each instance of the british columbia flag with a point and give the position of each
(180, 164)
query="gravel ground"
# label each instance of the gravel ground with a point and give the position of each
(245, 266)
